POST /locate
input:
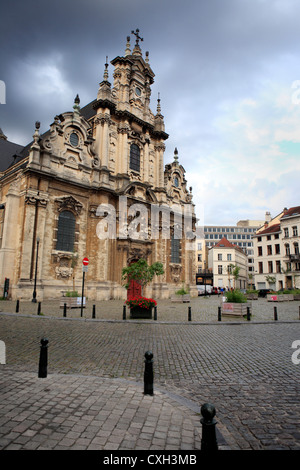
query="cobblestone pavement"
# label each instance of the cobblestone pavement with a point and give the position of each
(93, 397)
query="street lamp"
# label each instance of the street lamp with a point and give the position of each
(35, 275)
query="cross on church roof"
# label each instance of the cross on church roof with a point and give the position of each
(136, 33)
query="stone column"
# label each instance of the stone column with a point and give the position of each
(10, 236)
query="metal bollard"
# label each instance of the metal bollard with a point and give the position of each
(39, 308)
(299, 312)
(94, 311)
(219, 314)
(65, 310)
(155, 313)
(148, 374)
(43, 362)
(275, 314)
(17, 306)
(248, 314)
(124, 312)
(209, 440)
(190, 314)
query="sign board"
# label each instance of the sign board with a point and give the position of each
(79, 300)
(85, 261)
(227, 307)
(85, 269)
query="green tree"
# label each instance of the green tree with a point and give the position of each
(141, 272)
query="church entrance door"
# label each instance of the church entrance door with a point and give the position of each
(134, 289)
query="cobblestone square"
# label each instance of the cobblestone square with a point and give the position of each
(93, 395)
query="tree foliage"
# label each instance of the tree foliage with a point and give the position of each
(141, 272)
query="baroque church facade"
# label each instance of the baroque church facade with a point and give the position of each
(65, 196)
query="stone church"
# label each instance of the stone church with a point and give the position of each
(73, 193)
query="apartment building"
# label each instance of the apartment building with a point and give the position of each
(240, 235)
(223, 257)
(276, 252)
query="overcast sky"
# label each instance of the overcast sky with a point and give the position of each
(228, 74)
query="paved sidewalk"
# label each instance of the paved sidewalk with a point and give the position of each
(74, 412)
(203, 309)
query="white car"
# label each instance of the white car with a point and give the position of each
(201, 289)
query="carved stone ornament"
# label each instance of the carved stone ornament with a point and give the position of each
(63, 272)
(69, 203)
(175, 270)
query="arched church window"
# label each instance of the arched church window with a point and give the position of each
(134, 158)
(175, 250)
(176, 182)
(66, 231)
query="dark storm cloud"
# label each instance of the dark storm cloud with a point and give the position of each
(208, 57)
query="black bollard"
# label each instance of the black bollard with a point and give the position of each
(65, 310)
(209, 440)
(39, 308)
(43, 358)
(299, 312)
(17, 306)
(219, 314)
(155, 313)
(124, 312)
(275, 314)
(94, 311)
(248, 314)
(148, 374)
(190, 314)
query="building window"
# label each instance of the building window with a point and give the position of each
(259, 250)
(277, 249)
(219, 269)
(175, 250)
(296, 248)
(65, 231)
(278, 267)
(286, 232)
(74, 139)
(229, 257)
(199, 246)
(269, 249)
(200, 257)
(270, 265)
(219, 256)
(295, 231)
(260, 267)
(134, 158)
(287, 249)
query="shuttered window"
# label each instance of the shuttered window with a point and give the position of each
(66, 231)
(134, 158)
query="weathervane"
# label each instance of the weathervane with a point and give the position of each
(136, 33)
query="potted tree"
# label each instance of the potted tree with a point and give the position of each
(143, 274)
(236, 303)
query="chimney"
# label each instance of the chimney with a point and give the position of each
(268, 217)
